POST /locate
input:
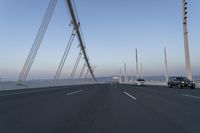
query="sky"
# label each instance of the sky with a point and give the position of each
(112, 29)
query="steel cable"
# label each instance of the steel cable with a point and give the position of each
(24, 69)
(37, 41)
(46, 23)
(82, 71)
(66, 52)
(86, 74)
(76, 65)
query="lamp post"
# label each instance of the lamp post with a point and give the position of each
(136, 59)
(125, 78)
(166, 67)
(187, 54)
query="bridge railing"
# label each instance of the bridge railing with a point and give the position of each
(156, 82)
(160, 83)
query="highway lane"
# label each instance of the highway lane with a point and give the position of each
(100, 108)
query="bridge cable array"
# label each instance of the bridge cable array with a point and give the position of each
(37, 42)
(86, 74)
(76, 65)
(76, 26)
(66, 52)
(82, 71)
(75, 32)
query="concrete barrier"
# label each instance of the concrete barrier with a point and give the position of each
(11, 85)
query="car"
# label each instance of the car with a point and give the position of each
(140, 82)
(115, 80)
(180, 82)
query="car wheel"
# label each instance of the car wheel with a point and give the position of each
(180, 86)
(192, 87)
(169, 85)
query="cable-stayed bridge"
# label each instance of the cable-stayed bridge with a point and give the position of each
(75, 34)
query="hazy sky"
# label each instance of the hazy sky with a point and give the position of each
(112, 30)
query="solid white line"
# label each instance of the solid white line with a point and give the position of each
(186, 95)
(126, 93)
(71, 93)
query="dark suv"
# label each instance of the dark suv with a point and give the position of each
(180, 82)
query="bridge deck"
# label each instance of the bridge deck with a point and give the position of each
(100, 108)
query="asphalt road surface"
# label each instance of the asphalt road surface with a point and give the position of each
(100, 108)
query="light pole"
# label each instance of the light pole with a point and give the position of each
(187, 54)
(166, 67)
(120, 76)
(136, 59)
(141, 70)
(125, 80)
